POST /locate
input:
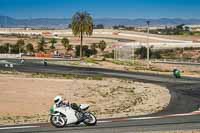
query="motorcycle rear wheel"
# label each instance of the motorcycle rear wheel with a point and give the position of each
(90, 119)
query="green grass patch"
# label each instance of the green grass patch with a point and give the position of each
(90, 60)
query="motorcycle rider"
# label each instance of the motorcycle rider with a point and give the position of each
(61, 110)
(176, 73)
(60, 103)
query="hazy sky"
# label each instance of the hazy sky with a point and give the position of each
(101, 8)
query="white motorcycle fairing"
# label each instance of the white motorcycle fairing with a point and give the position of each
(69, 113)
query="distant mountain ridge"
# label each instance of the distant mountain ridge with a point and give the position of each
(6, 21)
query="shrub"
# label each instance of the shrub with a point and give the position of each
(65, 43)
(156, 54)
(4, 48)
(86, 51)
(93, 49)
(15, 49)
(41, 45)
(142, 52)
(102, 45)
(53, 41)
(109, 55)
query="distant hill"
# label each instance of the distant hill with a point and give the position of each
(6, 21)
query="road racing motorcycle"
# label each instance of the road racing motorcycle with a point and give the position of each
(73, 114)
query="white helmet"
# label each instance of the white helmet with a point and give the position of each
(57, 100)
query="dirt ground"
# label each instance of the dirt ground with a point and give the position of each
(158, 68)
(24, 99)
(187, 70)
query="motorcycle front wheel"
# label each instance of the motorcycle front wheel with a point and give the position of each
(90, 119)
(57, 121)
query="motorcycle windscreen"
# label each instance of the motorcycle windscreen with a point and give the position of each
(84, 106)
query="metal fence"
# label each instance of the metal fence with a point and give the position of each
(124, 52)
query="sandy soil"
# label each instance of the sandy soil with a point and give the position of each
(27, 100)
(100, 33)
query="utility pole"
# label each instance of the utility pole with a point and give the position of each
(9, 49)
(148, 48)
(133, 52)
(115, 52)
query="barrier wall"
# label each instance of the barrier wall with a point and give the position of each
(10, 56)
(43, 55)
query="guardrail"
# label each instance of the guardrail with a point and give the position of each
(4, 56)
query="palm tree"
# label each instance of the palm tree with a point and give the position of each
(20, 44)
(41, 44)
(30, 48)
(53, 41)
(82, 23)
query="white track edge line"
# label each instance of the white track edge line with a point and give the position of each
(18, 127)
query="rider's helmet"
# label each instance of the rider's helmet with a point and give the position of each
(57, 100)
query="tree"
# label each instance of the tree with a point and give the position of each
(65, 42)
(180, 27)
(53, 41)
(30, 48)
(41, 44)
(20, 44)
(4, 48)
(82, 23)
(15, 49)
(187, 28)
(66, 45)
(93, 49)
(69, 47)
(115, 27)
(102, 45)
